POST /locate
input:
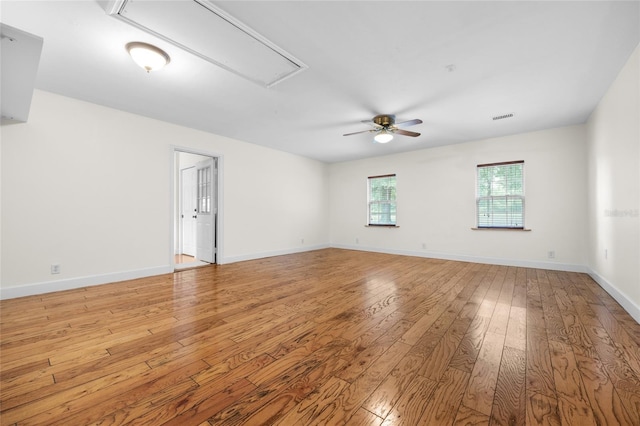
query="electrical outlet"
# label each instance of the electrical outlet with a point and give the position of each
(551, 254)
(606, 254)
(424, 245)
(357, 241)
(302, 241)
(55, 269)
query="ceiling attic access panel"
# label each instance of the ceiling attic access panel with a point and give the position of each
(21, 53)
(199, 27)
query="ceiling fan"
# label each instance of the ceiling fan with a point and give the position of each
(385, 126)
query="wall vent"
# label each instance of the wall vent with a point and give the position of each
(200, 28)
(501, 117)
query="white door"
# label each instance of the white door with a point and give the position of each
(188, 210)
(206, 210)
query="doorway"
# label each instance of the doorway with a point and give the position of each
(196, 205)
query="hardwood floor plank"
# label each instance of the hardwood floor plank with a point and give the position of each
(359, 391)
(572, 403)
(200, 405)
(509, 404)
(412, 403)
(24, 384)
(325, 337)
(385, 396)
(479, 393)
(9, 376)
(316, 406)
(588, 337)
(623, 340)
(590, 286)
(542, 403)
(542, 409)
(438, 361)
(445, 286)
(467, 352)
(274, 397)
(551, 307)
(152, 384)
(72, 340)
(516, 336)
(57, 401)
(362, 361)
(364, 418)
(443, 405)
(605, 402)
(221, 383)
(306, 385)
(468, 417)
(624, 379)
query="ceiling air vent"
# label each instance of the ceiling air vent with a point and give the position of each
(200, 28)
(502, 117)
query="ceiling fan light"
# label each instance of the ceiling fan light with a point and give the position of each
(147, 56)
(383, 137)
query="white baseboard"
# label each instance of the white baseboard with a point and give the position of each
(261, 255)
(621, 298)
(74, 283)
(555, 266)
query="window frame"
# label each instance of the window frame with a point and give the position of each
(203, 184)
(508, 198)
(393, 204)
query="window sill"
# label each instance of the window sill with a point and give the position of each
(381, 226)
(501, 229)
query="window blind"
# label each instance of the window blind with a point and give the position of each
(382, 200)
(500, 195)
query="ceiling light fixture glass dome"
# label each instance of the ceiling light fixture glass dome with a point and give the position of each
(383, 137)
(147, 56)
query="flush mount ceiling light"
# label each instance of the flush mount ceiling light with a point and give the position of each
(383, 137)
(147, 56)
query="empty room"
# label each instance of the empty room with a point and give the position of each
(320, 212)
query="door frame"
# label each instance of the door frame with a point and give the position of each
(174, 176)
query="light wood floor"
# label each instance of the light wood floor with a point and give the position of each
(325, 337)
(183, 258)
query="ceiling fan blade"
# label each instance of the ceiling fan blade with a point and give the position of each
(406, 133)
(372, 123)
(409, 122)
(356, 133)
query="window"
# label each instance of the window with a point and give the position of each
(500, 195)
(204, 190)
(382, 200)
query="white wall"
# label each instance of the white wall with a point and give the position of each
(88, 187)
(436, 201)
(613, 132)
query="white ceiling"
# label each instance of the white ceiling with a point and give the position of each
(547, 62)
